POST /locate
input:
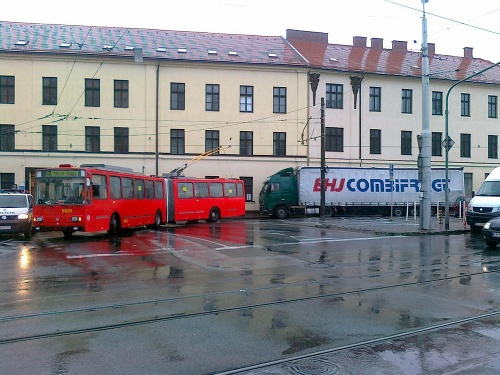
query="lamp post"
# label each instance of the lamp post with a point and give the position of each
(448, 143)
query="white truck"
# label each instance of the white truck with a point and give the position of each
(354, 190)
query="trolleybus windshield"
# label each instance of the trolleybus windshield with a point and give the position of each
(60, 186)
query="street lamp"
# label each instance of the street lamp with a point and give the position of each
(448, 142)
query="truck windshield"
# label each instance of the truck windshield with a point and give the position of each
(489, 188)
(13, 201)
(53, 190)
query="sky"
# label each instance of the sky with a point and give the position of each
(451, 24)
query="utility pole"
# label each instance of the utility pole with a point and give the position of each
(425, 210)
(323, 164)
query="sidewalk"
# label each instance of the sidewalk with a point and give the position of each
(381, 225)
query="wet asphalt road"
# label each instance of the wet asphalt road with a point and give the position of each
(252, 297)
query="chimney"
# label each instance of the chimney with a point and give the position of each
(398, 45)
(431, 49)
(468, 52)
(377, 43)
(359, 41)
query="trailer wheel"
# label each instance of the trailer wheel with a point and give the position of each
(280, 212)
(329, 211)
(398, 211)
(213, 215)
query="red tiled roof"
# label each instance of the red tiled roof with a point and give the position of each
(396, 61)
(157, 44)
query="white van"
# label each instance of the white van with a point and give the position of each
(16, 213)
(485, 205)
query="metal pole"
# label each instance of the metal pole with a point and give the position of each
(426, 135)
(447, 146)
(323, 164)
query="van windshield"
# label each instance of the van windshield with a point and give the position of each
(489, 189)
(13, 201)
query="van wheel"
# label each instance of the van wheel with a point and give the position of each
(281, 212)
(213, 215)
(491, 244)
(27, 234)
(114, 225)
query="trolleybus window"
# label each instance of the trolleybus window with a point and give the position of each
(201, 189)
(230, 189)
(158, 189)
(216, 189)
(128, 188)
(99, 187)
(116, 188)
(139, 188)
(185, 190)
(150, 190)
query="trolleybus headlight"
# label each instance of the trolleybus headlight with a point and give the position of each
(39, 219)
(23, 216)
(76, 218)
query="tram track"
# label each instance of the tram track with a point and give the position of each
(176, 316)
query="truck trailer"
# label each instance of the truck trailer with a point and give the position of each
(352, 190)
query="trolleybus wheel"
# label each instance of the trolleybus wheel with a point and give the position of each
(213, 215)
(114, 225)
(156, 225)
(67, 233)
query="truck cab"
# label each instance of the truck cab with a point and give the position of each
(16, 213)
(279, 194)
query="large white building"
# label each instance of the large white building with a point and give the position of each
(154, 100)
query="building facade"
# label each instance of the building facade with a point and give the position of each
(232, 105)
(151, 100)
(373, 105)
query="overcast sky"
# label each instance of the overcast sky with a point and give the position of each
(451, 24)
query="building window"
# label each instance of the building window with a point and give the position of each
(212, 97)
(492, 146)
(121, 140)
(437, 103)
(465, 104)
(405, 142)
(92, 92)
(212, 141)
(279, 144)
(279, 99)
(248, 184)
(375, 99)
(7, 180)
(375, 141)
(177, 142)
(49, 138)
(246, 98)
(334, 96)
(7, 138)
(492, 106)
(177, 96)
(246, 143)
(407, 101)
(465, 145)
(121, 94)
(437, 140)
(334, 139)
(49, 91)
(7, 89)
(92, 139)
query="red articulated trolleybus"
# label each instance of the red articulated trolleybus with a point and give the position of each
(97, 197)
